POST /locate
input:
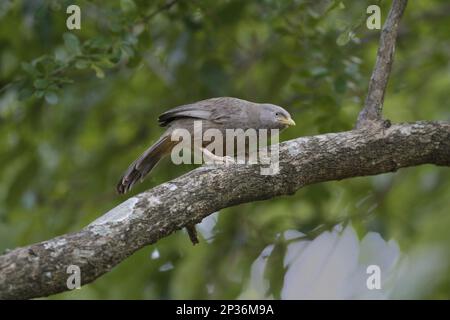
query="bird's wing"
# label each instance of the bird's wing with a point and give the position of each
(216, 110)
(196, 111)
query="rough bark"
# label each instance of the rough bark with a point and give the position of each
(40, 269)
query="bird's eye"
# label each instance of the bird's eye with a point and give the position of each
(277, 114)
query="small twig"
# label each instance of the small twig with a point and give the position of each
(371, 114)
(192, 232)
(167, 6)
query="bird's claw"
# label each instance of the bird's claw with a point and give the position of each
(227, 161)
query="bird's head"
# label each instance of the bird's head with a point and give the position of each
(275, 117)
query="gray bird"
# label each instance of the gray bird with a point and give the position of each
(218, 113)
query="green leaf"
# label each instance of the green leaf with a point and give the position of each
(72, 43)
(333, 5)
(25, 93)
(39, 93)
(318, 71)
(99, 42)
(345, 37)
(41, 83)
(105, 63)
(29, 68)
(127, 51)
(127, 5)
(81, 64)
(98, 71)
(116, 54)
(51, 97)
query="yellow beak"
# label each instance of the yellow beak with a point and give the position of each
(287, 121)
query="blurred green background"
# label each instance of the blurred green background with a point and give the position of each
(76, 107)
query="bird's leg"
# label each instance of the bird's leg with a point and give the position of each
(226, 160)
(192, 232)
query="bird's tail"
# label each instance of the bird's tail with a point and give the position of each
(144, 164)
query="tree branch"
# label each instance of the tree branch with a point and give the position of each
(371, 114)
(40, 269)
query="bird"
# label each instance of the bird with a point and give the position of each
(216, 113)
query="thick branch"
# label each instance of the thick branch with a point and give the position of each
(373, 106)
(40, 269)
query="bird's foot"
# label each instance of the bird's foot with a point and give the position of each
(211, 158)
(227, 161)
